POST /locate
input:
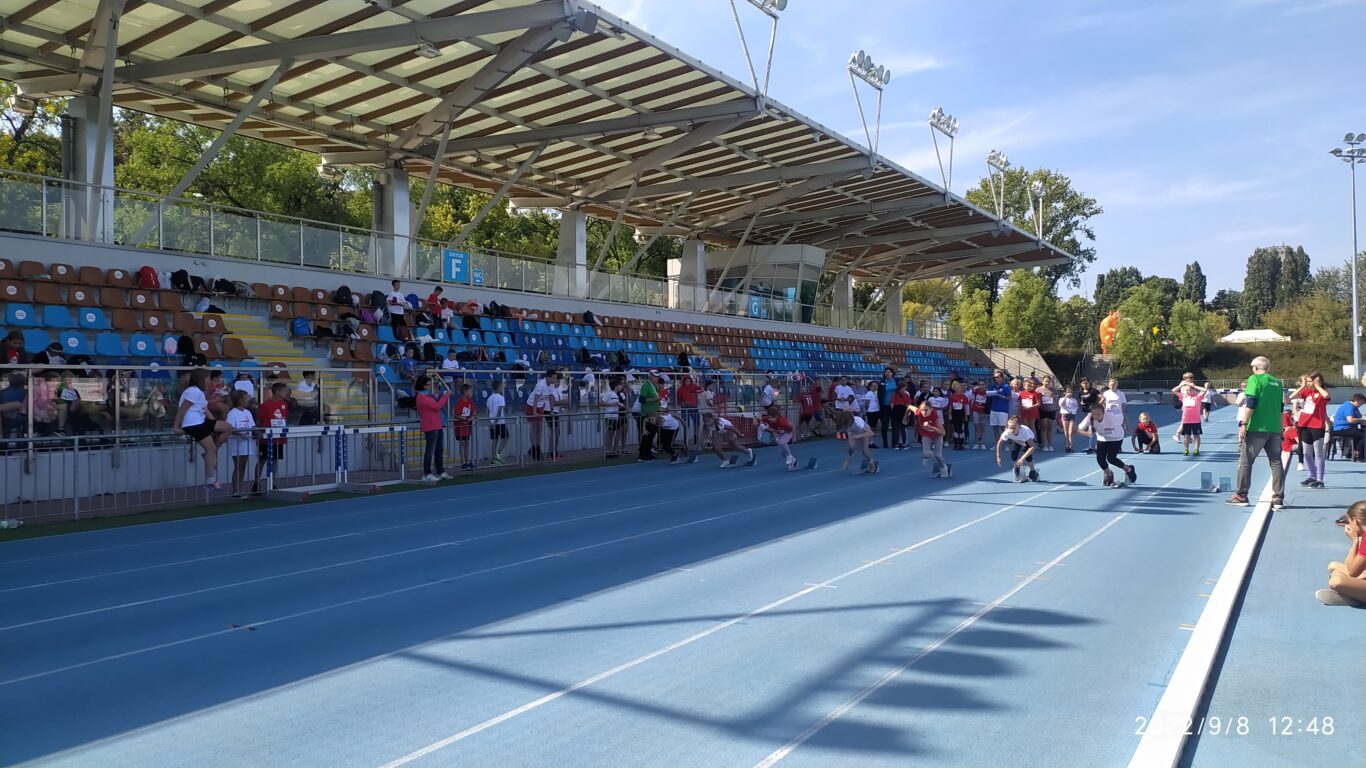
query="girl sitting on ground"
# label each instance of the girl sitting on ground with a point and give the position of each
(1347, 580)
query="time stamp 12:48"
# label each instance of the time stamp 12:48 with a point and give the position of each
(1236, 726)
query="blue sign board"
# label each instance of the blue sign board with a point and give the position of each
(477, 276)
(910, 327)
(455, 266)
(756, 306)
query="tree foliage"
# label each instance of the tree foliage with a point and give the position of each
(1189, 330)
(1294, 280)
(1226, 303)
(1314, 318)
(1078, 323)
(1259, 286)
(1067, 222)
(1136, 345)
(1027, 314)
(972, 313)
(1168, 289)
(1193, 284)
(1113, 287)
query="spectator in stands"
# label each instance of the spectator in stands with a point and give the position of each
(52, 355)
(429, 410)
(1348, 424)
(1347, 579)
(407, 367)
(451, 363)
(13, 353)
(685, 358)
(498, 427)
(434, 301)
(245, 383)
(1259, 431)
(445, 316)
(194, 419)
(396, 304)
(273, 414)
(14, 405)
(469, 315)
(306, 399)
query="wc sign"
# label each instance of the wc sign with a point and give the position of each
(456, 266)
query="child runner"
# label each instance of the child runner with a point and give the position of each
(429, 410)
(239, 444)
(979, 415)
(1313, 425)
(931, 428)
(1022, 446)
(1048, 413)
(1108, 429)
(1088, 396)
(1067, 411)
(1030, 402)
(1347, 580)
(464, 425)
(871, 402)
(781, 429)
(958, 415)
(939, 401)
(498, 424)
(613, 417)
(807, 410)
(1191, 397)
(1207, 399)
(669, 425)
(725, 437)
(901, 404)
(844, 402)
(1000, 397)
(1290, 439)
(1016, 387)
(273, 414)
(859, 435)
(1145, 435)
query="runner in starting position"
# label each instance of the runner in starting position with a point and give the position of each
(1021, 439)
(1108, 428)
(724, 437)
(860, 436)
(781, 429)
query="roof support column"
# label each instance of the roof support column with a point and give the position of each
(892, 323)
(88, 162)
(688, 276)
(391, 244)
(842, 301)
(571, 257)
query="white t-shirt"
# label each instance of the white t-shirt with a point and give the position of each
(450, 365)
(844, 398)
(545, 397)
(1208, 397)
(1114, 400)
(1069, 404)
(241, 420)
(859, 425)
(870, 402)
(723, 424)
(1109, 430)
(1046, 398)
(398, 303)
(770, 396)
(667, 421)
(705, 401)
(1022, 437)
(498, 406)
(610, 403)
(447, 314)
(939, 403)
(199, 407)
(249, 386)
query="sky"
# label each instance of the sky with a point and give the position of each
(1201, 127)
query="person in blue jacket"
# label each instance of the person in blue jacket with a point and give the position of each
(998, 393)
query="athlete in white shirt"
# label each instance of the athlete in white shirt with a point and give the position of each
(860, 437)
(724, 437)
(543, 408)
(498, 425)
(1022, 447)
(1108, 427)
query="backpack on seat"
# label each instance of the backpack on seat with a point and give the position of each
(148, 279)
(300, 326)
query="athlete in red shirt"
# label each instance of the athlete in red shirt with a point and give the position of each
(777, 425)
(273, 414)
(1029, 405)
(959, 407)
(1313, 424)
(464, 424)
(1145, 436)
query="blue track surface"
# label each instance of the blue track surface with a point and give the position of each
(632, 616)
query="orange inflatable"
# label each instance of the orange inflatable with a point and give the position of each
(1108, 328)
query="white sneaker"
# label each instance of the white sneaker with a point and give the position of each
(445, 476)
(1300, 468)
(749, 454)
(724, 464)
(1330, 597)
(429, 478)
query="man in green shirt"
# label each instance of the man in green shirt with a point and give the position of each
(649, 411)
(1259, 430)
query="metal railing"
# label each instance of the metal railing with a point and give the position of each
(42, 205)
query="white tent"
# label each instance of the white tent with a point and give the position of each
(1258, 336)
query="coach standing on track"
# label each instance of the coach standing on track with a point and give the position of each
(1259, 430)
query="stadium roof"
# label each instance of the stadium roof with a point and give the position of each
(572, 105)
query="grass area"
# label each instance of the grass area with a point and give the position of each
(232, 506)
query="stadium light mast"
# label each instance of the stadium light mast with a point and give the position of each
(942, 122)
(1036, 195)
(862, 67)
(1354, 154)
(997, 165)
(771, 9)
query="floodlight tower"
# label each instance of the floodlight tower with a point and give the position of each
(942, 122)
(1036, 196)
(771, 9)
(997, 165)
(1352, 155)
(862, 67)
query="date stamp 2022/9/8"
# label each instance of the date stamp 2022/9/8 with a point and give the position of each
(1236, 725)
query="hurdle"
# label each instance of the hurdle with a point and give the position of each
(302, 492)
(358, 484)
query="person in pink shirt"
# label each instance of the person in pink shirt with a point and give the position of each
(1190, 397)
(429, 410)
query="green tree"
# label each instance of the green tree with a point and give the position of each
(972, 313)
(1259, 286)
(1315, 318)
(1067, 222)
(1077, 324)
(1113, 286)
(1189, 331)
(1136, 345)
(1216, 325)
(1168, 289)
(30, 141)
(1193, 284)
(1027, 313)
(1294, 280)
(1225, 303)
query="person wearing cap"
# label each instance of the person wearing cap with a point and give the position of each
(649, 400)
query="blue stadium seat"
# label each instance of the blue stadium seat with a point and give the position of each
(500, 324)
(576, 330)
(553, 328)
(475, 337)
(143, 345)
(57, 317)
(21, 315)
(504, 339)
(386, 333)
(109, 345)
(439, 335)
(74, 343)
(575, 342)
(485, 324)
(589, 330)
(93, 318)
(35, 341)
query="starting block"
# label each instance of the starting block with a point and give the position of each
(1225, 484)
(1207, 482)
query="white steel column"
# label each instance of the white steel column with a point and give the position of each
(842, 300)
(688, 276)
(83, 162)
(392, 223)
(893, 323)
(571, 257)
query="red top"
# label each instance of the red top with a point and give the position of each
(1361, 546)
(807, 403)
(1314, 412)
(777, 423)
(958, 402)
(1029, 404)
(434, 302)
(687, 395)
(816, 394)
(273, 414)
(929, 420)
(902, 397)
(464, 417)
(979, 400)
(1150, 428)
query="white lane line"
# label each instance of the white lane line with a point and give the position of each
(1165, 737)
(843, 709)
(410, 588)
(550, 697)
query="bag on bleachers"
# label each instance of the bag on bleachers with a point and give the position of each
(429, 353)
(170, 346)
(300, 326)
(390, 352)
(406, 401)
(180, 280)
(224, 286)
(499, 357)
(343, 297)
(464, 356)
(198, 285)
(148, 279)
(377, 299)
(184, 345)
(588, 317)
(543, 357)
(321, 331)
(194, 360)
(367, 316)
(242, 289)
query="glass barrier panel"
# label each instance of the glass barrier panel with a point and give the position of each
(185, 227)
(21, 204)
(234, 235)
(322, 247)
(131, 214)
(358, 252)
